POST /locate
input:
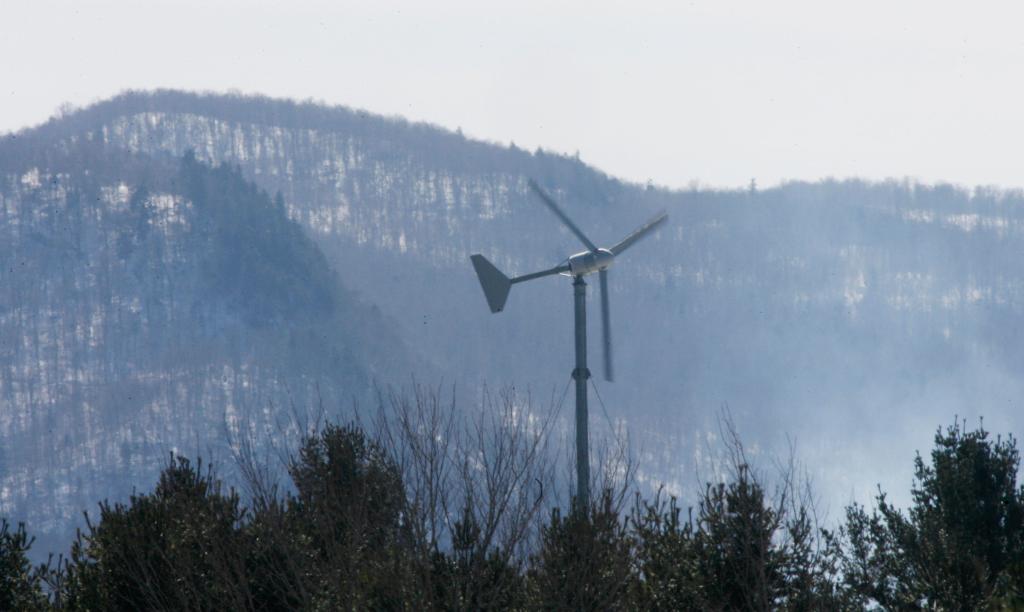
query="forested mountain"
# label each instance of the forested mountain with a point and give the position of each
(150, 305)
(152, 291)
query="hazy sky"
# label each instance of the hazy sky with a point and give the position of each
(716, 92)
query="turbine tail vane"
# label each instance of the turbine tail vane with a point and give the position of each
(495, 284)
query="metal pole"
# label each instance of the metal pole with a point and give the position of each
(581, 374)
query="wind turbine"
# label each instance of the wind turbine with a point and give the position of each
(497, 285)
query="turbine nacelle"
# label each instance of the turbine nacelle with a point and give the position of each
(588, 262)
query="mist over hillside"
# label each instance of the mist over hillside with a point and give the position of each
(152, 286)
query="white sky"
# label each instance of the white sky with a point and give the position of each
(717, 92)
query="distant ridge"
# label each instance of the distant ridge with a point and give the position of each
(387, 131)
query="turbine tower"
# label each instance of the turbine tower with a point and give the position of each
(496, 286)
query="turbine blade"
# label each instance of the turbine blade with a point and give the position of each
(639, 233)
(606, 325)
(561, 215)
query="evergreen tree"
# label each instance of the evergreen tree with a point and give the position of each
(20, 583)
(742, 551)
(960, 544)
(471, 578)
(584, 561)
(349, 508)
(175, 548)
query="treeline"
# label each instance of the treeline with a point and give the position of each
(424, 509)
